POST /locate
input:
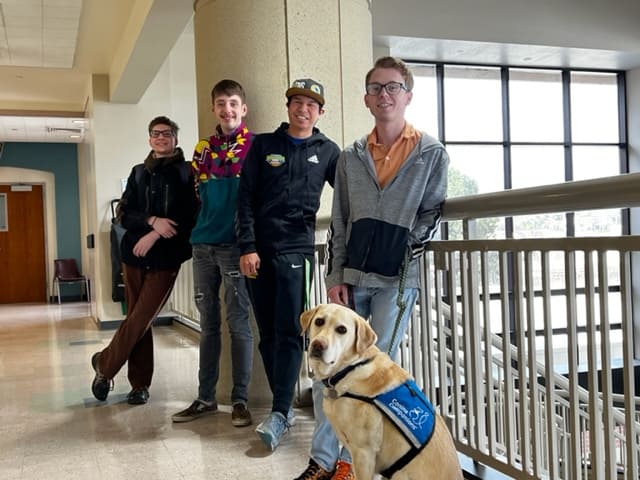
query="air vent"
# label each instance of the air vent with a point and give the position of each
(63, 130)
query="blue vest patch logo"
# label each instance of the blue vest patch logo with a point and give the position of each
(410, 410)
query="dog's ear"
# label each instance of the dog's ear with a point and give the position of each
(306, 317)
(365, 335)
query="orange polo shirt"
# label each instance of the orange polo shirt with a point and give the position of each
(389, 160)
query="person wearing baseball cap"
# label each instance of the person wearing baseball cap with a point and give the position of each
(278, 198)
(308, 88)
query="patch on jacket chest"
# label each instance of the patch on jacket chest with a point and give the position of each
(275, 160)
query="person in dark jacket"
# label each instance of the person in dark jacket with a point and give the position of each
(278, 198)
(158, 210)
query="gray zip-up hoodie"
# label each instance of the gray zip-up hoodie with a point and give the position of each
(372, 228)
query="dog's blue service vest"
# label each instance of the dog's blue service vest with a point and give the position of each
(407, 408)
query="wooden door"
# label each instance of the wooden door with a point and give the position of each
(22, 247)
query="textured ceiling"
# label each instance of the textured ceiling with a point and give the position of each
(43, 77)
(52, 50)
(39, 34)
(49, 49)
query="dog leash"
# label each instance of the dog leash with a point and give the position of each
(400, 301)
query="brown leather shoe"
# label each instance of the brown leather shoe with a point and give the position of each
(240, 415)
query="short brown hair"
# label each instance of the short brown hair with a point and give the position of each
(162, 120)
(396, 64)
(229, 88)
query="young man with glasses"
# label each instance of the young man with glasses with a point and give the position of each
(158, 210)
(279, 196)
(388, 195)
(217, 163)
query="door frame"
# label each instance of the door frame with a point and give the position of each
(12, 175)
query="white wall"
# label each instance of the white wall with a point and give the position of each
(120, 141)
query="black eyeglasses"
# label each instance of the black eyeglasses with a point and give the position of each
(392, 88)
(161, 133)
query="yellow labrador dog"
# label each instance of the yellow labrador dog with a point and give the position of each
(342, 353)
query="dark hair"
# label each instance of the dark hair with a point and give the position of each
(320, 106)
(228, 87)
(396, 64)
(162, 120)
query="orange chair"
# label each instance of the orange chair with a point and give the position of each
(66, 272)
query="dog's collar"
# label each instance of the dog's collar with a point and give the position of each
(332, 381)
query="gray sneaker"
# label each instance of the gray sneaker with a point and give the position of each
(291, 417)
(196, 410)
(240, 415)
(273, 429)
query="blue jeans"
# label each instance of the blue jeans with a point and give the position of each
(379, 306)
(213, 266)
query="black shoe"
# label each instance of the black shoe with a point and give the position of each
(196, 410)
(101, 385)
(240, 415)
(138, 396)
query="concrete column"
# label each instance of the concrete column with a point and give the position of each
(265, 45)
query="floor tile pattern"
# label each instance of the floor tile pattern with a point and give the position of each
(52, 428)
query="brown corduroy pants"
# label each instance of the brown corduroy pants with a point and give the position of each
(146, 293)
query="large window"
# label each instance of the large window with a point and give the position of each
(507, 128)
(535, 105)
(522, 127)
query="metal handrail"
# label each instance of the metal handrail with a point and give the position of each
(619, 191)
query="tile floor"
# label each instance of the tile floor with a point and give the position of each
(51, 427)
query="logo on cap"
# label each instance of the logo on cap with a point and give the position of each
(307, 87)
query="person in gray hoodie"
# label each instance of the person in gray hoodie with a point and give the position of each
(388, 195)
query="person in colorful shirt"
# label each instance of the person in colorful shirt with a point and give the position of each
(279, 197)
(388, 195)
(217, 163)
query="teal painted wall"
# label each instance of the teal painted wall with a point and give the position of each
(61, 159)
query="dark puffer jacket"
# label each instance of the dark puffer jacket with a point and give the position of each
(165, 190)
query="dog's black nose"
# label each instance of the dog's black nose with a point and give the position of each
(316, 350)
